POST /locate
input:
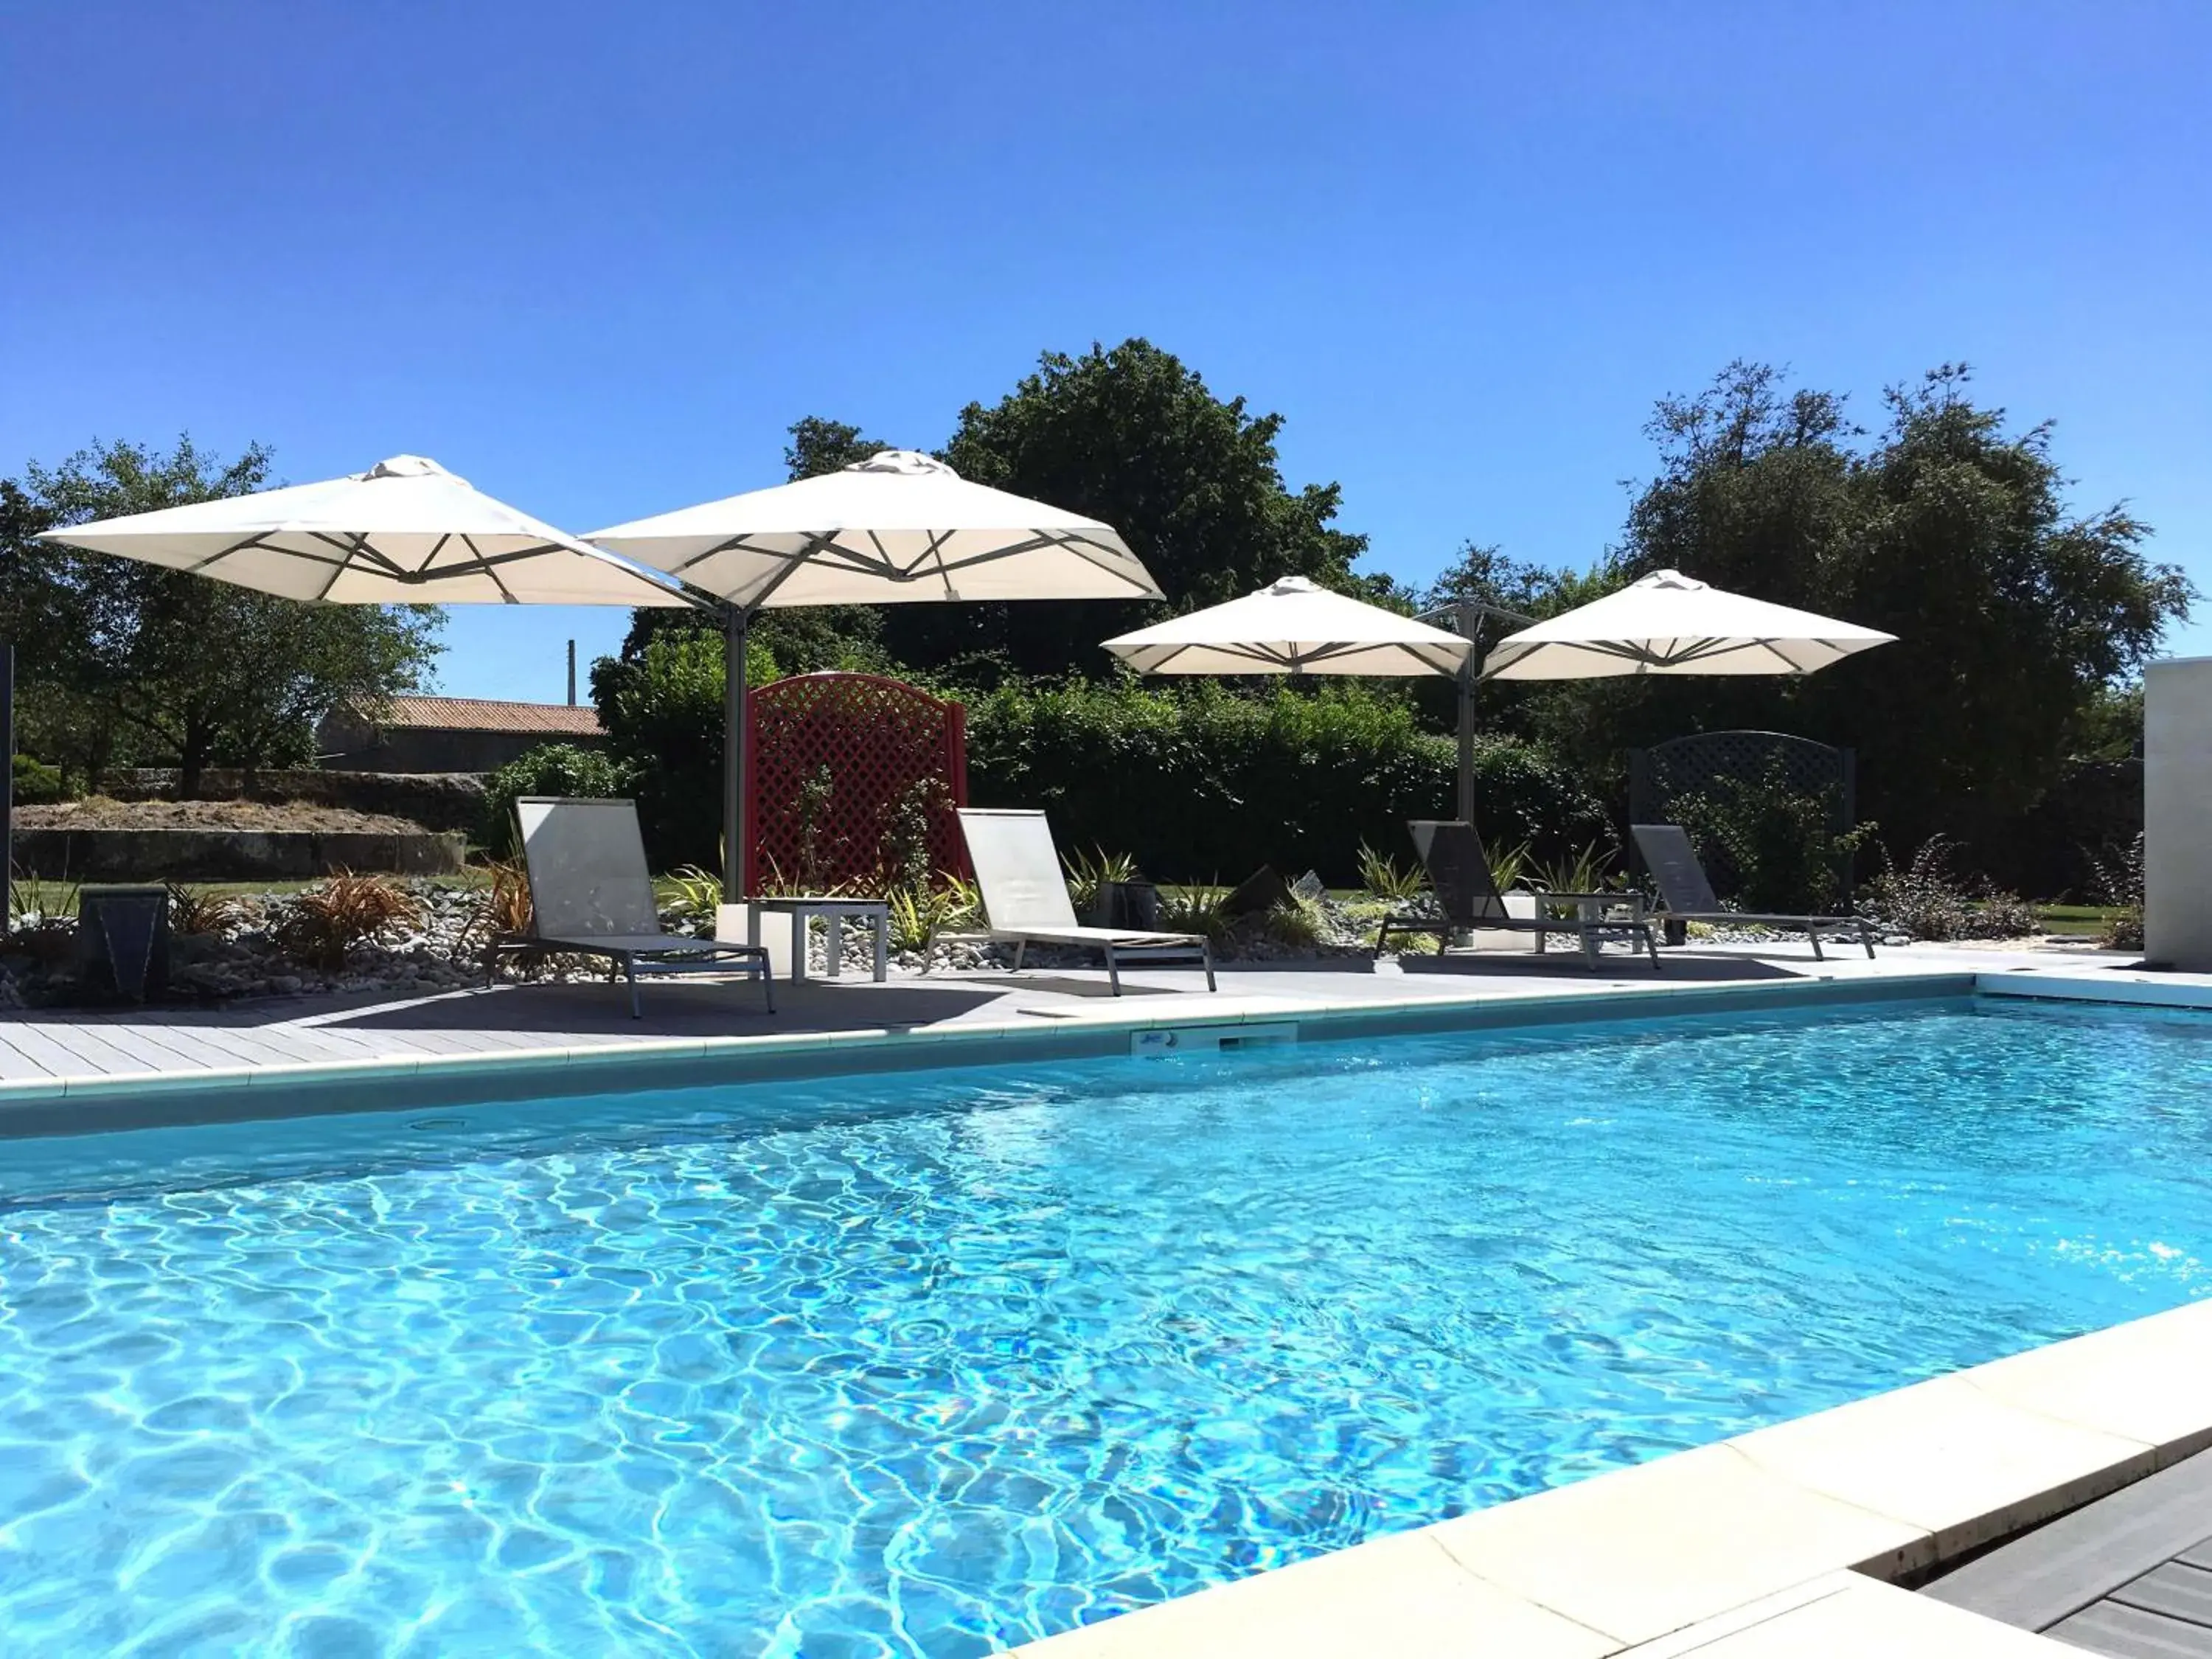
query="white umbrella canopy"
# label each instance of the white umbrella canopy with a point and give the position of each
(406, 532)
(1667, 623)
(896, 528)
(1292, 627)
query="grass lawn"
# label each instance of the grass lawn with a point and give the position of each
(2086, 919)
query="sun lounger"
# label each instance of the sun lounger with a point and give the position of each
(1026, 898)
(591, 893)
(1685, 895)
(1459, 875)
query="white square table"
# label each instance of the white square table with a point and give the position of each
(803, 909)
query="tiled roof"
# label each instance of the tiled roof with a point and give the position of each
(487, 714)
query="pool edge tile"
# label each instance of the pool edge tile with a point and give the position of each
(1948, 1458)
(1641, 1552)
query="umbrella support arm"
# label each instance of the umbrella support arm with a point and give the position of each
(735, 621)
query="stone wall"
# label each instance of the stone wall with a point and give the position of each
(227, 854)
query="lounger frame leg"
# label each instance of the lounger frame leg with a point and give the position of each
(1021, 949)
(628, 965)
(1113, 971)
(1208, 949)
(1813, 933)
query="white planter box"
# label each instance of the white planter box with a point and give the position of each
(1521, 906)
(730, 924)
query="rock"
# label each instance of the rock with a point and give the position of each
(1310, 888)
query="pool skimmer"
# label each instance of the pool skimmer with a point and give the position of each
(1212, 1039)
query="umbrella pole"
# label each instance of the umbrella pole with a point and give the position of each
(734, 622)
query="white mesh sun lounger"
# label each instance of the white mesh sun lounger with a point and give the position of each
(591, 893)
(1026, 898)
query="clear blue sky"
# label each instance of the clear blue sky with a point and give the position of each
(597, 258)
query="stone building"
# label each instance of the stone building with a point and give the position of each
(449, 734)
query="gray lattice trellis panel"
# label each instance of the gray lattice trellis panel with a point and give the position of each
(1682, 767)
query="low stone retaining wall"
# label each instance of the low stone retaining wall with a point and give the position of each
(228, 854)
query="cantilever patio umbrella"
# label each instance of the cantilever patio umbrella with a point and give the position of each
(1667, 623)
(1293, 627)
(1296, 627)
(898, 528)
(406, 532)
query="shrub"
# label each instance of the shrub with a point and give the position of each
(1202, 781)
(695, 896)
(552, 768)
(1771, 842)
(198, 911)
(1927, 900)
(501, 913)
(919, 912)
(1384, 878)
(37, 783)
(344, 911)
(1088, 871)
(2119, 882)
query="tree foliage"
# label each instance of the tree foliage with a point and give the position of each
(119, 661)
(2014, 616)
(1131, 436)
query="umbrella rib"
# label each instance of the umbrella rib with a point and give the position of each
(816, 543)
(436, 548)
(358, 548)
(1099, 557)
(505, 593)
(252, 541)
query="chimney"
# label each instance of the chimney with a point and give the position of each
(572, 673)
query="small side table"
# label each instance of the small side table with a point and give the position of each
(1591, 911)
(803, 910)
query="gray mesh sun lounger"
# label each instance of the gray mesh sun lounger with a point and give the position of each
(1685, 895)
(591, 893)
(1459, 875)
(1025, 899)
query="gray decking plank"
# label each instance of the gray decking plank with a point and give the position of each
(92, 1055)
(20, 1059)
(2197, 1555)
(2060, 1569)
(188, 1047)
(2176, 1591)
(149, 1053)
(2131, 1633)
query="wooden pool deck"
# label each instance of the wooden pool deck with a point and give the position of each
(46, 1046)
(2130, 1575)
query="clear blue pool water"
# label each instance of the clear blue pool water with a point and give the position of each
(935, 1364)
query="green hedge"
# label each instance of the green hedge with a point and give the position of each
(551, 769)
(1202, 783)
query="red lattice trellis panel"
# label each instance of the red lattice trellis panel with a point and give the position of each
(876, 738)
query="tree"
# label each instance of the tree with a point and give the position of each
(2014, 616)
(119, 658)
(1131, 437)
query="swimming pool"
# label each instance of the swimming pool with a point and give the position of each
(936, 1363)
